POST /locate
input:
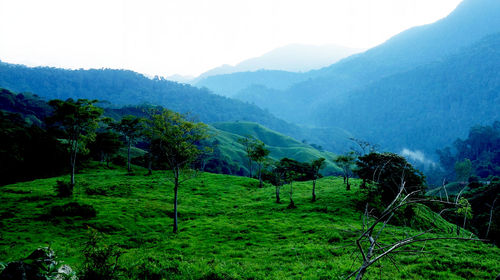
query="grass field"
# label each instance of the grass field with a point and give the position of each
(229, 229)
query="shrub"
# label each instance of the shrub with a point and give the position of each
(63, 189)
(100, 259)
(73, 209)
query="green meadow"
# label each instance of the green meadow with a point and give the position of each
(229, 229)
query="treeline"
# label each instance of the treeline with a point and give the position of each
(32, 146)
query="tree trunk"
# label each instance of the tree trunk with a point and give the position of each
(348, 186)
(73, 162)
(361, 272)
(176, 188)
(260, 175)
(250, 166)
(278, 194)
(491, 215)
(128, 155)
(150, 164)
(344, 179)
(314, 191)
(291, 205)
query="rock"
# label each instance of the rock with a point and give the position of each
(41, 264)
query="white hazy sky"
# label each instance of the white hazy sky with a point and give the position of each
(164, 37)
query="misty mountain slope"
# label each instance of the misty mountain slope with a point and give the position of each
(427, 107)
(471, 21)
(231, 84)
(290, 58)
(276, 69)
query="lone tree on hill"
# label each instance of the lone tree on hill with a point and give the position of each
(132, 128)
(276, 178)
(290, 170)
(248, 143)
(77, 121)
(258, 154)
(316, 166)
(346, 162)
(178, 139)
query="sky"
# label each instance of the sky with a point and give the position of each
(189, 37)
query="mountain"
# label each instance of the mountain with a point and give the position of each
(429, 106)
(232, 84)
(290, 58)
(278, 69)
(471, 21)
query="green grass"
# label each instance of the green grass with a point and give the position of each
(229, 229)
(279, 145)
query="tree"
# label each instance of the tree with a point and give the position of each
(77, 121)
(372, 249)
(346, 162)
(131, 127)
(149, 134)
(178, 140)
(316, 166)
(258, 153)
(107, 143)
(386, 171)
(248, 143)
(463, 169)
(290, 170)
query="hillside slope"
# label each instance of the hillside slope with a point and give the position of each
(229, 229)
(279, 145)
(471, 21)
(121, 87)
(427, 107)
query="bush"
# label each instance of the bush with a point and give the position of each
(63, 189)
(73, 209)
(101, 260)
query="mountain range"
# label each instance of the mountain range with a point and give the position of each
(425, 75)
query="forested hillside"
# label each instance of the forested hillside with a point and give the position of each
(471, 21)
(123, 87)
(428, 107)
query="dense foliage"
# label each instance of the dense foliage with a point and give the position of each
(389, 172)
(28, 151)
(481, 148)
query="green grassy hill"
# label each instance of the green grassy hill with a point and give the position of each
(280, 145)
(229, 229)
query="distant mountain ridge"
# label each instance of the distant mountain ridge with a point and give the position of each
(429, 106)
(123, 87)
(471, 21)
(277, 69)
(290, 58)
